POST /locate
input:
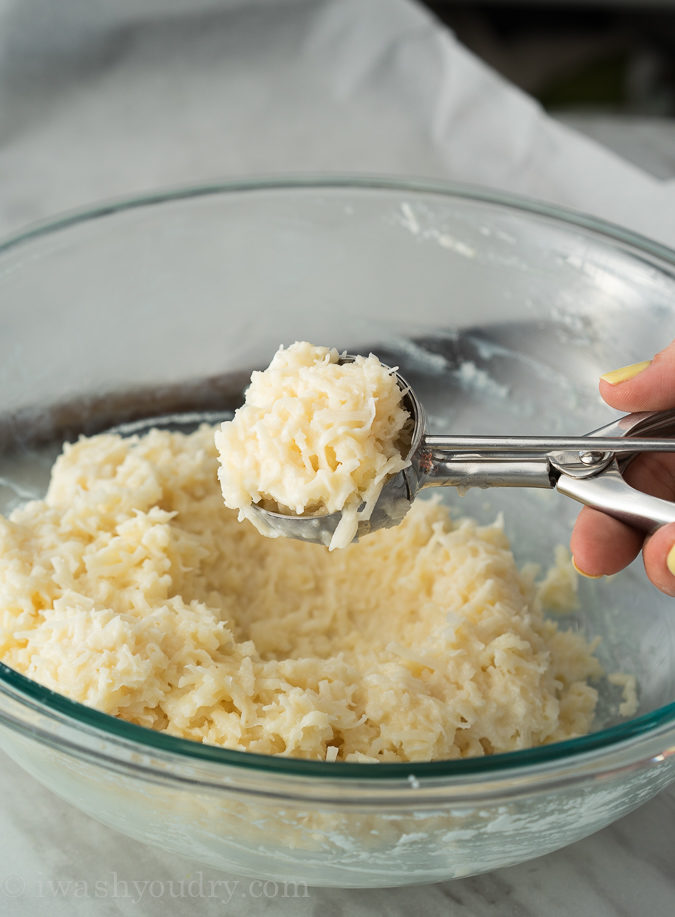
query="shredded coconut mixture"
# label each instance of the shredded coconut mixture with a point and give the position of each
(313, 436)
(132, 589)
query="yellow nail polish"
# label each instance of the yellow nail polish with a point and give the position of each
(588, 575)
(625, 373)
(670, 560)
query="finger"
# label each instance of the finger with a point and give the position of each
(601, 545)
(659, 559)
(645, 386)
(653, 474)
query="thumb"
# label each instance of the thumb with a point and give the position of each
(659, 558)
(645, 386)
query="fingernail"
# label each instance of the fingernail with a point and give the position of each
(625, 373)
(589, 575)
(670, 560)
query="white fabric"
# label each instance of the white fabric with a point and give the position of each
(101, 99)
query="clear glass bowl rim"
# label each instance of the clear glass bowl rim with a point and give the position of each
(60, 708)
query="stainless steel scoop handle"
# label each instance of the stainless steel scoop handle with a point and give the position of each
(587, 469)
(609, 491)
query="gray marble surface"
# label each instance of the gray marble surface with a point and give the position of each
(57, 861)
(101, 100)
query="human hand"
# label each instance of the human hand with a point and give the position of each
(602, 545)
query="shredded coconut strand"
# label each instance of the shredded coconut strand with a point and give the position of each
(132, 589)
(313, 435)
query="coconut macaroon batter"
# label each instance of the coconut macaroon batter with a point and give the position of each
(131, 588)
(314, 435)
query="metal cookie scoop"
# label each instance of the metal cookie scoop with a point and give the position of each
(587, 468)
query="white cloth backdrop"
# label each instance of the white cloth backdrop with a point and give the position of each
(100, 99)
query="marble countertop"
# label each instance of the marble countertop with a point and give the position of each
(169, 92)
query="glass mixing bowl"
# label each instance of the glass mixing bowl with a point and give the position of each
(502, 313)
